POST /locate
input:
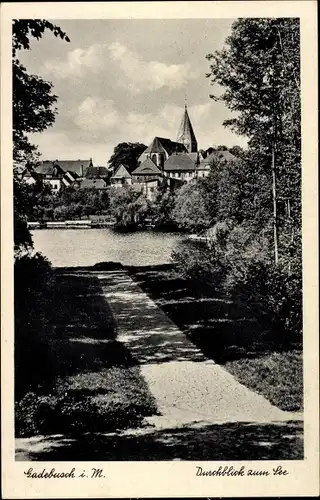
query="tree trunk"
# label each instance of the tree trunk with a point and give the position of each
(274, 197)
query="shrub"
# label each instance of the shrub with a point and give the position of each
(195, 261)
(271, 293)
(239, 262)
(33, 297)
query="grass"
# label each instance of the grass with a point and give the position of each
(95, 384)
(226, 335)
(278, 376)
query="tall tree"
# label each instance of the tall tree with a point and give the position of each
(33, 110)
(266, 99)
(126, 153)
(33, 101)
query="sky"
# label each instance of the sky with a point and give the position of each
(127, 81)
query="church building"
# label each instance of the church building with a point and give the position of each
(179, 160)
(186, 134)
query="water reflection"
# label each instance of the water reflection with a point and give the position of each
(86, 247)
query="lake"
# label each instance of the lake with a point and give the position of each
(86, 247)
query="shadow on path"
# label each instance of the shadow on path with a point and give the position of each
(85, 328)
(216, 325)
(232, 441)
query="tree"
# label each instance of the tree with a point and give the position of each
(33, 101)
(127, 206)
(163, 206)
(33, 111)
(237, 151)
(126, 153)
(266, 100)
(190, 210)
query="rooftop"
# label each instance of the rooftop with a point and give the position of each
(147, 168)
(121, 173)
(80, 167)
(180, 162)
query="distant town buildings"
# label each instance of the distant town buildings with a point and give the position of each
(178, 161)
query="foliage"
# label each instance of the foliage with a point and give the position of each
(40, 203)
(33, 101)
(267, 100)
(163, 206)
(193, 261)
(128, 206)
(238, 262)
(239, 193)
(33, 298)
(190, 210)
(118, 398)
(21, 206)
(33, 111)
(126, 153)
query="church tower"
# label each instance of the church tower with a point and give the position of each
(186, 134)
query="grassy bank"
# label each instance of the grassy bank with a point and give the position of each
(227, 335)
(94, 383)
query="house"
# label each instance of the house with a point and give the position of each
(147, 175)
(29, 176)
(183, 166)
(78, 167)
(121, 177)
(92, 184)
(219, 155)
(214, 158)
(98, 172)
(69, 178)
(50, 173)
(180, 166)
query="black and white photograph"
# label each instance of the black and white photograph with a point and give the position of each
(157, 254)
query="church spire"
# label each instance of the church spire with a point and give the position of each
(186, 134)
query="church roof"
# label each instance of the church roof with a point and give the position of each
(147, 168)
(163, 145)
(177, 162)
(186, 134)
(121, 173)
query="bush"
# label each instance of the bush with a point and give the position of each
(33, 298)
(271, 293)
(239, 262)
(195, 261)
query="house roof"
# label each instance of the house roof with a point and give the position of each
(178, 162)
(163, 145)
(147, 168)
(220, 155)
(121, 173)
(92, 183)
(98, 171)
(49, 168)
(78, 166)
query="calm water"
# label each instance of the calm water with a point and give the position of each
(86, 247)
